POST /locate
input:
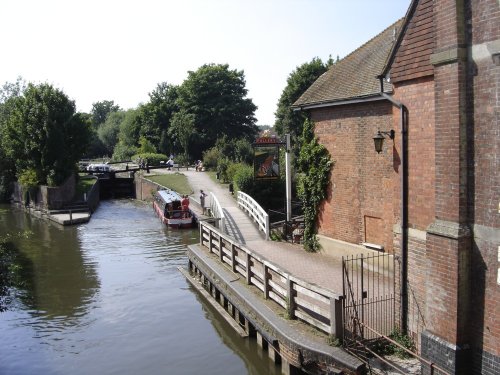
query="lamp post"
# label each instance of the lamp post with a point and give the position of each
(288, 177)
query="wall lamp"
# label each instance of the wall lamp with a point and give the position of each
(379, 139)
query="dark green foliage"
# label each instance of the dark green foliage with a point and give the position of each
(151, 158)
(182, 131)
(123, 151)
(156, 115)
(243, 179)
(315, 165)
(43, 132)
(236, 150)
(15, 270)
(403, 340)
(128, 136)
(211, 158)
(289, 121)
(269, 194)
(108, 131)
(7, 175)
(145, 146)
(101, 111)
(96, 148)
(222, 167)
(8, 94)
(385, 347)
(216, 96)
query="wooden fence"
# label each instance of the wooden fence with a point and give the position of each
(315, 305)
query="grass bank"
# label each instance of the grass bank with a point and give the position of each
(174, 181)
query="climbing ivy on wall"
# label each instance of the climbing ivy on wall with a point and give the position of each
(315, 165)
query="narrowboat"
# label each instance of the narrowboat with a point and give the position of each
(167, 205)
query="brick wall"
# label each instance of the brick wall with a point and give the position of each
(484, 113)
(145, 189)
(359, 207)
(418, 97)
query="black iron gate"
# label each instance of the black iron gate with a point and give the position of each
(369, 303)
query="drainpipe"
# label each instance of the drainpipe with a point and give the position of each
(404, 207)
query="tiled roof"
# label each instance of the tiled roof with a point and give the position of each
(355, 76)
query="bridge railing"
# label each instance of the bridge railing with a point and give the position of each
(216, 212)
(247, 203)
(315, 305)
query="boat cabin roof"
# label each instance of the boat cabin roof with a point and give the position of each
(169, 196)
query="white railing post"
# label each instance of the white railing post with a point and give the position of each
(217, 212)
(255, 211)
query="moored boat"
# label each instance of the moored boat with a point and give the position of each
(167, 205)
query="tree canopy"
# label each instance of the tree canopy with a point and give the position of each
(216, 96)
(288, 121)
(101, 110)
(155, 116)
(44, 133)
(8, 94)
(182, 129)
(108, 131)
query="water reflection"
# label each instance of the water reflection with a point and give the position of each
(106, 297)
(256, 360)
(60, 283)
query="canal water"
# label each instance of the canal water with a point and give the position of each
(107, 298)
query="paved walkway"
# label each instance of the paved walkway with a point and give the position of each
(316, 268)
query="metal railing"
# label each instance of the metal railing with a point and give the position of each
(317, 306)
(216, 212)
(247, 203)
(430, 367)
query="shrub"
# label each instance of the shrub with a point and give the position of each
(222, 167)
(182, 160)
(152, 158)
(210, 158)
(243, 179)
(232, 169)
(28, 178)
(123, 152)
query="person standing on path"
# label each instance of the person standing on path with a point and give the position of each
(202, 201)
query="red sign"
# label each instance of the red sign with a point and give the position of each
(268, 140)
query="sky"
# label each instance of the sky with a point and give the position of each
(120, 50)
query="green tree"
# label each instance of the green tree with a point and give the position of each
(128, 136)
(101, 110)
(145, 146)
(8, 94)
(216, 96)
(287, 120)
(182, 129)
(12, 89)
(95, 148)
(43, 132)
(108, 131)
(155, 116)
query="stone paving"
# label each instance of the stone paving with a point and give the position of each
(316, 268)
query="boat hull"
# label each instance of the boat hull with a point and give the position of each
(180, 220)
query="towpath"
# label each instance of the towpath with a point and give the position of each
(316, 268)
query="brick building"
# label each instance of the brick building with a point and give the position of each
(431, 196)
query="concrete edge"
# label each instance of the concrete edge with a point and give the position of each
(214, 304)
(265, 320)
